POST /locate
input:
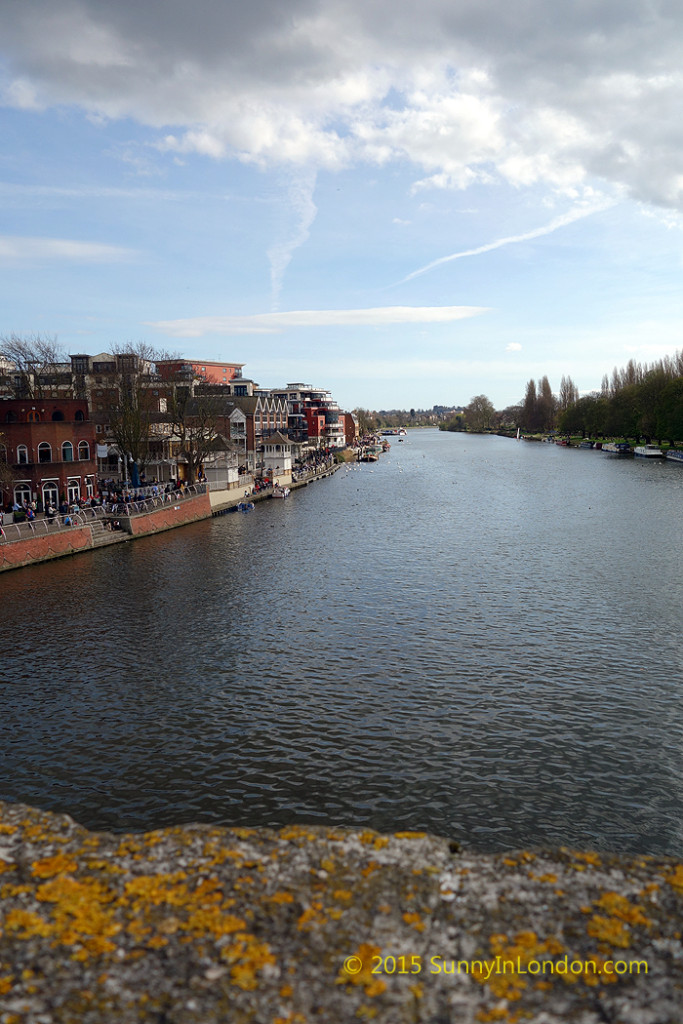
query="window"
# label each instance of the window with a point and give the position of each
(58, 416)
(67, 452)
(80, 416)
(22, 455)
(3, 453)
(11, 417)
(34, 417)
(98, 428)
(44, 452)
(83, 451)
(73, 488)
(89, 488)
(22, 493)
(50, 494)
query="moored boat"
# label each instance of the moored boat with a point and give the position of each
(617, 448)
(280, 492)
(649, 451)
(675, 456)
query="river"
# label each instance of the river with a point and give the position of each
(475, 636)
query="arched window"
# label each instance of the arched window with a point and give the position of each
(11, 417)
(22, 454)
(83, 451)
(3, 453)
(50, 495)
(33, 417)
(44, 452)
(80, 416)
(73, 488)
(58, 415)
(67, 452)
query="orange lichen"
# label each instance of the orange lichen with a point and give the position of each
(366, 956)
(311, 917)
(609, 930)
(280, 897)
(57, 865)
(415, 921)
(618, 906)
(675, 879)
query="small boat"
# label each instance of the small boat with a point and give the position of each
(617, 448)
(245, 506)
(675, 456)
(586, 444)
(280, 492)
(649, 451)
(563, 442)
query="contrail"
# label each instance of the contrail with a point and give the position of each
(558, 222)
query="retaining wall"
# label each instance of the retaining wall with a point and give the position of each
(41, 549)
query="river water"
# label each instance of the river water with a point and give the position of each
(474, 636)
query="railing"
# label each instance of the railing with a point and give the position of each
(10, 532)
(150, 504)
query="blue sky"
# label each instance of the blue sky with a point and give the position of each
(408, 209)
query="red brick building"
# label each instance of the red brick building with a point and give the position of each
(49, 445)
(211, 372)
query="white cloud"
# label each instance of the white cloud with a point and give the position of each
(514, 346)
(17, 250)
(271, 323)
(474, 92)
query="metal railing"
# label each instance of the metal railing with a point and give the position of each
(153, 502)
(10, 532)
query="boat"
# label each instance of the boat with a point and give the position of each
(403, 431)
(649, 451)
(675, 456)
(617, 448)
(245, 506)
(563, 442)
(586, 444)
(280, 492)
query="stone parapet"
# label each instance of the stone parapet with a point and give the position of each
(200, 925)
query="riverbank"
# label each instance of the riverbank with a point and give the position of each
(44, 541)
(201, 925)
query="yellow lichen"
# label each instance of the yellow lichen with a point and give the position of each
(609, 930)
(50, 866)
(280, 897)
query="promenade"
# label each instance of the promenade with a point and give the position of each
(115, 522)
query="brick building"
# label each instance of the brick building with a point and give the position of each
(49, 445)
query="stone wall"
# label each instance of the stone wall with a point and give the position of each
(201, 925)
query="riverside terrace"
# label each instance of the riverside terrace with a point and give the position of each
(106, 514)
(94, 526)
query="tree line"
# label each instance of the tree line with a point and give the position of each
(638, 401)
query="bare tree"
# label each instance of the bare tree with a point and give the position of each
(37, 360)
(479, 414)
(195, 421)
(133, 406)
(569, 393)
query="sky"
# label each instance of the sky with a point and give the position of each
(408, 204)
